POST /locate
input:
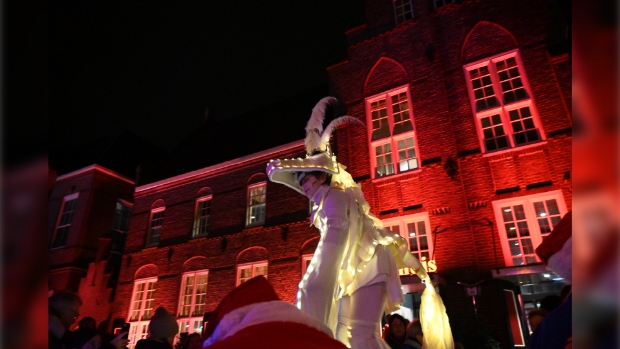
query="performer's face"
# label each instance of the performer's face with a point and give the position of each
(310, 184)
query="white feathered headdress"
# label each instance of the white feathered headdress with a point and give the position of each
(317, 139)
(319, 156)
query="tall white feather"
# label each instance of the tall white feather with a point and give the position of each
(334, 124)
(314, 127)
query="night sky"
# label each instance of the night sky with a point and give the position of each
(154, 68)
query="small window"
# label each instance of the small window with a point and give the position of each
(501, 101)
(247, 271)
(403, 11)
(120, 224)
(141, 309)
(192, 301)
(416, 230)
(202, 216)
(256, 204)
(392, 136)
(524, 222)
(157, 222)
(64, 220)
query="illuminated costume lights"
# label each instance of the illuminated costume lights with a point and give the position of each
(353, 275)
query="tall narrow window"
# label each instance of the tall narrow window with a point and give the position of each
(157, 222)
(141, 309)
(120, 224)
(121, 216)
(192, 301)
(305, 262)
(391, 135)
(247, 271)
(523, 223)
(402, 9)
(203, 214)
(502, 102)
(256, 204)
(64, 220)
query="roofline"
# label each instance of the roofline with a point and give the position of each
(95, 167)
(220, 166)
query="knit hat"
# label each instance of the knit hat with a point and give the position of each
(556, 250)
(255, 290)
(163, 325)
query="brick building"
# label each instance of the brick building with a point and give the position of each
(466, 153)
(89, 211)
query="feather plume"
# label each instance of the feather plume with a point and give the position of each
(314, 127)
(334, 124)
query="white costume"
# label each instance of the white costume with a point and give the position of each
(353, 276)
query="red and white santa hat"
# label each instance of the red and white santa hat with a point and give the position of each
(556, 250)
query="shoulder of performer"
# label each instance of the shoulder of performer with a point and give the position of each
(335, 197)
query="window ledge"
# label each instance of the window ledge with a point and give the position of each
(522, 147)
(200, 236)
(150, 247)
(385, 178)
(254, 225)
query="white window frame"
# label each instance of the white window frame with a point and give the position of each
(503, 108)
(139, 328)
(402, 222)
(392, 139)
(253, 265)
(149, 236)
(305, 261)
(249, 206)
(71, 197)
(403, 4)
(198, 218)
(530, 215)
(192, 319)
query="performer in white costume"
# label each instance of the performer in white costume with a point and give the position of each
(353, 275)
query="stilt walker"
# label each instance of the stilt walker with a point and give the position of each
(353, 276)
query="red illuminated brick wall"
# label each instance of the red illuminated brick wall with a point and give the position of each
(427, 54)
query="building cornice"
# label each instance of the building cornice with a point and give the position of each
(95, 167)
(220, 166)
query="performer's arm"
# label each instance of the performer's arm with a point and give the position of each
(336, 211)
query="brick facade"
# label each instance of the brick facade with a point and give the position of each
(455, 184)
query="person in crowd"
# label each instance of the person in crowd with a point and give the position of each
(88, 322)
(385, 326)
(395, 336)
(414, 336)
(63, 310)
(193, 341)
(535, 316)
(83, 338)
(162, 330)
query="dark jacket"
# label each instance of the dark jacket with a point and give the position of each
(555, 329)
(152, 344)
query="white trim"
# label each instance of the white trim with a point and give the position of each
(196, 217)
(502, 109)
(392, 139)
(248, 206)
(220, 166)
(136, 282)
(252, 265)
(530, 218)
(192, 306)
(94, 168)
(402, 222)
(304, 258)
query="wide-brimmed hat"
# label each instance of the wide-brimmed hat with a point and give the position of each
(319, 156)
